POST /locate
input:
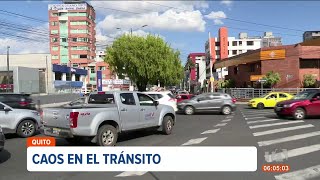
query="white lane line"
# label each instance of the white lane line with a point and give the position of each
(282, 130)
(303, 174)
(210, 131)
(259, 121)
(194, 141)
(258, 114)
(275, 124)
(293, 152)
(226, 120)
(229, 117)
(131, 173)
(221, 124)
(289, 138)
(255, 118)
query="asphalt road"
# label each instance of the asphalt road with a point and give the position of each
(246, 127)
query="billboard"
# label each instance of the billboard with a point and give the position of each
(99, 80)
(66, 7)
(273, 54)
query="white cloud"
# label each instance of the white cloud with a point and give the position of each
(226, 2)
(216, 17)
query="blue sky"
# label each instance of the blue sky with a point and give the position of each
(188, 34)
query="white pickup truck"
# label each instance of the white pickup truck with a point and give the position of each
(104, 115)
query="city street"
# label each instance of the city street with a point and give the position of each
(246, 127)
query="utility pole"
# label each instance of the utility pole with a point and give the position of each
(210, 58)
(131, 31)
(47, 74)
(8, 71)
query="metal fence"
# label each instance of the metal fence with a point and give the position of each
(249, 93)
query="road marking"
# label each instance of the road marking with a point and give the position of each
(258, 114)
(130, 173)
(294, 152)
(289, 138)
(226, 120)
(282, 130)
(229, 117)
(259, 121)
(255, 118)
(274, 124)
(194, 141)
(308, 173)
(210, 131)
(221, 124)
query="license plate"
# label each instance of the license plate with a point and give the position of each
(56, 130)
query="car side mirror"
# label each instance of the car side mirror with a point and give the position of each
(198, 100)
(6, 109)
(156, 103)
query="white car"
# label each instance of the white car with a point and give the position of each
(164, 97)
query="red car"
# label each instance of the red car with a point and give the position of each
(182, 97)
(306, 103)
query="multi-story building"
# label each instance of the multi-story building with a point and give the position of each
(196, 75)
(268, 40)
(308, 35)
(73, 42)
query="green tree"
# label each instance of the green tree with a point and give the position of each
(309, 81)
(272, 78)
(189, 64)
(145, 60)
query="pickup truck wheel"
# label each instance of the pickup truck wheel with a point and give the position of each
(107, 135)
(299, 114)
(167, 125)
(26, 128)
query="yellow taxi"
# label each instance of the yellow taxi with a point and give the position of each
(269, 100)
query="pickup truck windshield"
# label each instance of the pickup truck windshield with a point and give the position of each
(101, 99)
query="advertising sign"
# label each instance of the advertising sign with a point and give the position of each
(58, 7)
(99, 80)
(273, 54)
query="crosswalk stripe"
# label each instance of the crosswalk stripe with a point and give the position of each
(289, 138)
(130, 173)
(253, 115)
(210, 131)
(274, 124)
(226, 120)
(273, 131)
(255, 118)
(221, 124)
(259, 121)
(194, 141)
(294, 152)
(308, 173)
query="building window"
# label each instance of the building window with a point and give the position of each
(54, 39)
(74, 39)
(54, 14)
(63, 14)
(78, 23)
(240, 43)
(54, 48)
(235, 70)
(75, 65)
(55, 57)
(92, 78)
(217, 52)
(102, 68)
(252, 67)
(83, 56)
(79, 31)
(240, 51)
(79, 48)
(217, 43)
(54, 23)
(234, 52)
(234, 43)
(75, 56)
(54, 31)
(309, 64)
(249, 43)
(63, 39)
(92, 70)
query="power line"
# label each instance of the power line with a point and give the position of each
(21, 16)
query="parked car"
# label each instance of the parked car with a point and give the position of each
(165, 97)
(16, 100)
(306, 103)
(24, 122)
(103, 116)
(2, 139)
(269, 100)
(218, 102)
(183, 97)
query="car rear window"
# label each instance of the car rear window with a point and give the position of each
(101, 99)
(154, 96)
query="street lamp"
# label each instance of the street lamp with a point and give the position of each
(135, 29)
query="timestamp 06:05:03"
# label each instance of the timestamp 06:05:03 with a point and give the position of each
(275, 168)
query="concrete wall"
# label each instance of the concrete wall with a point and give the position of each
(27, 80)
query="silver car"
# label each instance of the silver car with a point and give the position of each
(23, 122)
(217, 102)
